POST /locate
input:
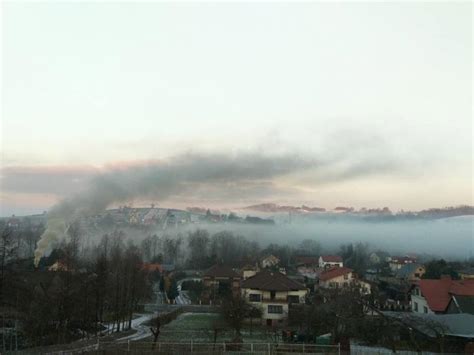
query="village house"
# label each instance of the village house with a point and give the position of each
(273, 292)
(269, 261)
(248, 271)
(466, 274)
(378, 257)
(397, 262)
(410, 272)
(329, 261)
(307, 261)
(342, 277)
(308, 266)
(434, 296)
(220, 279)
(336, 277)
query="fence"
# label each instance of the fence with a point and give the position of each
(214, 348)
(366, 350)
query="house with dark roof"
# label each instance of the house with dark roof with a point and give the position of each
(396, 262)
(410, 272)
(329, 261)
(219, 280)
(273, 292)
(307, 261)
(434, 296)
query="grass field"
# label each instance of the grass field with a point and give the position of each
(200, 328)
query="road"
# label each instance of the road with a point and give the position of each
(142, 330)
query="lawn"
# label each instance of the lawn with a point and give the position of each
(200, 328)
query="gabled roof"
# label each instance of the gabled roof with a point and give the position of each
(221, 271)
(272, 281)
(463, 304)
(438, 292)
(331, 258)
(307, 260)
(406, 270)
(334, 272)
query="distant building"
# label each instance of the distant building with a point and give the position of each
(248, 271)
(307, 261)
(220, 279)
(343, 277)
(329, 261)
(410, 272)
(378, 257)
(13, 222)
(152, 267)
(466, 274)
(434, 296)
(336, 277)
(273, 292)
(59, 266)
(396, 262)
(269, 261)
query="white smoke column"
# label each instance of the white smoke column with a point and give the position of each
(55, 231)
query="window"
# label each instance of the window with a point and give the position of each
(272, 295)
(425, 309)
(415, 306)
(255, 297)
(293, 299)
(346, 277)
(275, 309)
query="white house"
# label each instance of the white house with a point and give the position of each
(269, 261)
(328, 261)
(336, 277)
(396, 262)
(273, 292)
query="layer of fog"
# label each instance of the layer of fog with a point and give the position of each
(449, 238)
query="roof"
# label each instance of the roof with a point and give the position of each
(438, 292)
(406, 270)
(272, 257)
(307, 260)
(334, 272)
(331, 258)
(402, 260)
(272, 281)
(467, 271)
(464, 304)
(152, 267)
(221, 271)
(457, 325)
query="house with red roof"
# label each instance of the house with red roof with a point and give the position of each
(336, 277)
(342, 277)
(328, 261)
(434, 296)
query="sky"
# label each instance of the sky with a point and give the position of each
(377, 96)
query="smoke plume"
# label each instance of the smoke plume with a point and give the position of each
(180, 175)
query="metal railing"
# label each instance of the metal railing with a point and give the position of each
(214, 348)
